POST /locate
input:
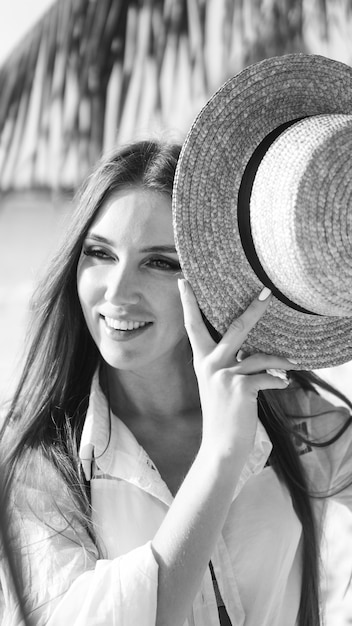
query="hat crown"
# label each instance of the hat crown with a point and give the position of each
(301, 214)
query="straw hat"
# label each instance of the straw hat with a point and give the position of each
(263, 196)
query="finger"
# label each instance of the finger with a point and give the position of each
(261, 362)
(240, 327)
(264, 381)
(198, 334)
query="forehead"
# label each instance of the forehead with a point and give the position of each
(135, 215)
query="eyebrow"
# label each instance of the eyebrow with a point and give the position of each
(167, 249)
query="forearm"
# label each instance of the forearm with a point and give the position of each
(185, 541)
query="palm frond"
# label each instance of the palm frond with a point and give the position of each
(95, 73)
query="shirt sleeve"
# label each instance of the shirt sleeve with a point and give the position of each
(328, 467)
(64, 580)
(120, 591)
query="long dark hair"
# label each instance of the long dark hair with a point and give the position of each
(49, 405)
(51, 398)
(280, 426)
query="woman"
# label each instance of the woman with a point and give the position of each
(136, 468)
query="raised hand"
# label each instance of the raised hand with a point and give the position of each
(229, 388)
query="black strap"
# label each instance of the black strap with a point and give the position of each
(243, 215)
(223, 614)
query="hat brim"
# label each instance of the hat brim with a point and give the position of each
(215, 153)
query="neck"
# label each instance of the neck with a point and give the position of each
(162, 391)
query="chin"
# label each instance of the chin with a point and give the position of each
(124, 361)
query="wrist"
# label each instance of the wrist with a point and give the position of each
(225, 462)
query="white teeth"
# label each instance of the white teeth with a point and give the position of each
(123, 324)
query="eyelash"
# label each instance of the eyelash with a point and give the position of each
(96, 252)
(169, 265)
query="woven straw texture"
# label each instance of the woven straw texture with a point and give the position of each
(216, 151)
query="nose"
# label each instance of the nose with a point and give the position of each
(122, 285)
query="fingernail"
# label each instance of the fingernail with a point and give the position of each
(182, 285)
(264, 294)
(240, 356)
(292, 361)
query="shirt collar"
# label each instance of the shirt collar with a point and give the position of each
(109, 443)
(95, 434)
(105, 438)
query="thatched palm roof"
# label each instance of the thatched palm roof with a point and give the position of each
(93, 73)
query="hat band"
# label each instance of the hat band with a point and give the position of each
(243, 214)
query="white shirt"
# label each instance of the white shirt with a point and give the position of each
(256, 561)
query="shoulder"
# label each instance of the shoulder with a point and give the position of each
(37, 484)
(41, 497)
(44, 510)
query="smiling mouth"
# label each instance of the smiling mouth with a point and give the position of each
(124, 325)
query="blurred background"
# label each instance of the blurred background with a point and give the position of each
(78, 77)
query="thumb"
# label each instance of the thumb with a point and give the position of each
(199, 337)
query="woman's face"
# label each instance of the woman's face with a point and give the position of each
(127, 281)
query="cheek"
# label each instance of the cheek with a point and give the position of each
(173, 309)
(87, 288)
(88, 297)
(82, 287)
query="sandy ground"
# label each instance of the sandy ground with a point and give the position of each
(29, 228)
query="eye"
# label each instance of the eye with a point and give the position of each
(164, 264)
(96, 252)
